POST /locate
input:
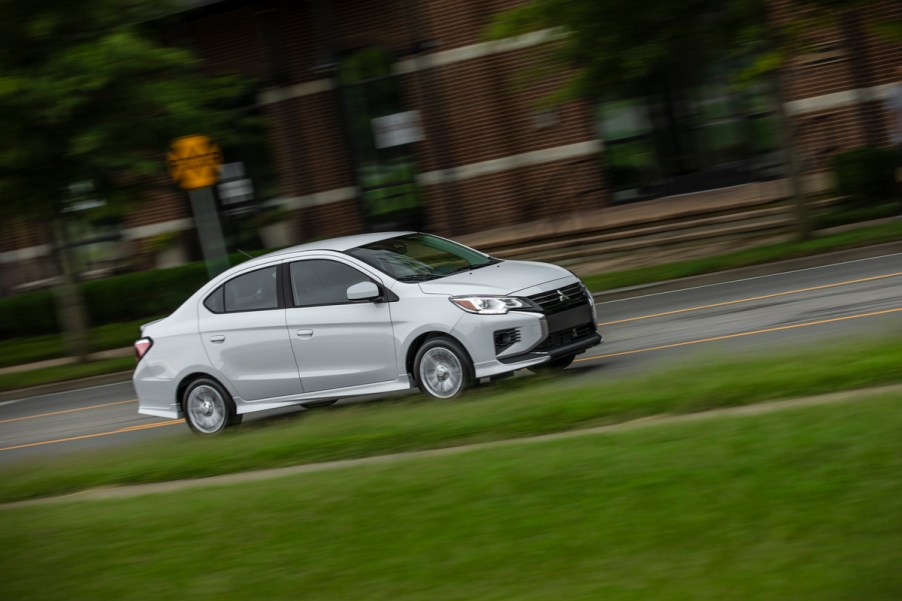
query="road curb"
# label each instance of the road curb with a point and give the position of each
(66, 386)
(752, 271)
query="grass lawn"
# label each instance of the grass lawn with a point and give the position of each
(802, 504)
(851, 213)
(517, 408)
(60, 373)
(17, 351)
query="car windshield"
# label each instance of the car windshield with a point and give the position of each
(420, 257)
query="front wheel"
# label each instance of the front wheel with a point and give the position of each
(208, 407)
(443, 369)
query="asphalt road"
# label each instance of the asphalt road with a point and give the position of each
(853, 299)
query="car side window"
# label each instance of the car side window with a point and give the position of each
(252, 291)
(322, 282)
(215, 302)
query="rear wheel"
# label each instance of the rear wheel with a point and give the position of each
(208, 407)
(442, 368)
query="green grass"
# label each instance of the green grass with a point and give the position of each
(803, 504)
(17, 351)
(847, 214)
(518, 408)
(864, 236)
(61, 373)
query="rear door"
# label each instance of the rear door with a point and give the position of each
(242, 325)
(337, 343)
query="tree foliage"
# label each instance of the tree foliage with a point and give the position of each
(88, 93)
(610, 46)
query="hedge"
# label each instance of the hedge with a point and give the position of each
(126, 297)
(865, 175)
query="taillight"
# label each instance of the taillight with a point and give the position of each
(142, 346)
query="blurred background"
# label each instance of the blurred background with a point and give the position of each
(724, 176)
(504, 123)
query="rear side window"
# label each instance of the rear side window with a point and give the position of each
(322, 282)
(254, 291)
(215, 301)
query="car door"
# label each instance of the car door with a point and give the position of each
(337, 343)
(242, 325)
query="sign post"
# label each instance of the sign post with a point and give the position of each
(194, 165)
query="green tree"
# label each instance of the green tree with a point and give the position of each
(88, 93)
(610, 47)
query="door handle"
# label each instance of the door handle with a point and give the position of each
(217, 339)
(305, 333)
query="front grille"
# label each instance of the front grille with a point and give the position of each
(505, 338)
(550, 302)
(556, 339)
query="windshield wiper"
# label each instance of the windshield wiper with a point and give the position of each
(471, 267)
(419, 277)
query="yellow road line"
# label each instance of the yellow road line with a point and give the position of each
(754, 298)
(741, 334)
(18, 419)
(84, 436)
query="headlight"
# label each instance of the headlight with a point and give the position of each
(489, 305)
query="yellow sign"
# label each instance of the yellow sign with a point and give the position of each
(194, 162)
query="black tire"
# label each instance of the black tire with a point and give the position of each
(208, 407)
(555, 366)
(442, 368)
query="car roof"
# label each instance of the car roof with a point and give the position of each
(334, 244)
(341, 244)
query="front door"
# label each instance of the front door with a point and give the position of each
(337, 343)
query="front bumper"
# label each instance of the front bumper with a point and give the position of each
(529, 339)
(574, 347)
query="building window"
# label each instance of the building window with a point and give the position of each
(381, 132)
(686, 133)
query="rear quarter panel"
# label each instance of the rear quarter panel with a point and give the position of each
(177, 352)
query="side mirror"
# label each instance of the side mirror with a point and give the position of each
(363, 291)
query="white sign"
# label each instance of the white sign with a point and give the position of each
(234, 188)
(397, 129)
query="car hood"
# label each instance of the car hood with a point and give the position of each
(507, 277)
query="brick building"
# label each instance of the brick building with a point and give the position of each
(399, 114)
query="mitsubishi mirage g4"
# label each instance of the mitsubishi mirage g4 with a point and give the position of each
(359, 315)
